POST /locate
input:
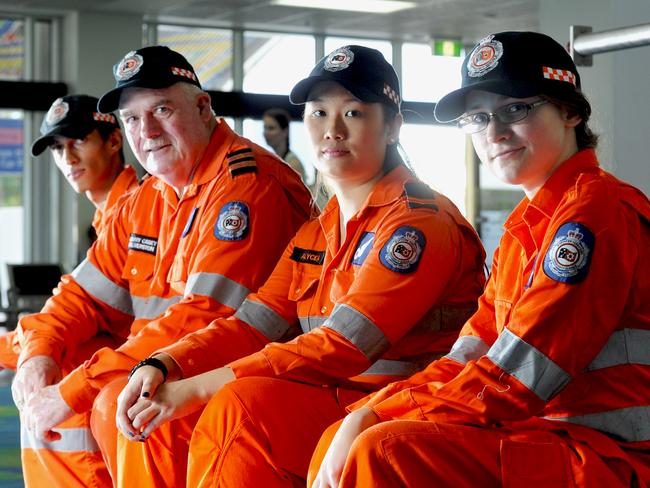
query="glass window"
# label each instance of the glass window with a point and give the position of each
(274, 63)
(383, 47)
(208, 50)
(298, 142)
(425, 77)
(11, 187)
(498, 199)
(12, 49)
(437, 154)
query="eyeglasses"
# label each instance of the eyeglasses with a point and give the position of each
(511, 113)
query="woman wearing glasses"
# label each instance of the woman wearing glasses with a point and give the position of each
(549, 382)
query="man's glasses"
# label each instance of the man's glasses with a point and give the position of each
(511, 113)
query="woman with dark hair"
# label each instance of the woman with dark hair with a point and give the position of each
(549, 382)
(374, 288)
(276, 134)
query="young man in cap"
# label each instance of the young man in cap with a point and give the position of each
(548, 384)
(86, 146)
(187, 247)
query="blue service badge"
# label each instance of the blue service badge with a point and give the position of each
(567, 259)
(232, 223)
(363, 248)
(403, 250)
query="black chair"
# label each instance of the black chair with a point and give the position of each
(30, 285)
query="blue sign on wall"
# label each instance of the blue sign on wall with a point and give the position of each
(11, 145)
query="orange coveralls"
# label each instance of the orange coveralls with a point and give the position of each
(370, 309)
(125, 182)
(549, 383)
(164, 267)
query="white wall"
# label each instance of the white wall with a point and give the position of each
(92, 44)
(617, 84)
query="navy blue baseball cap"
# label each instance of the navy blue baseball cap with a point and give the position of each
(149, 67)
(363, 71)
(73, 116)
(514, 64)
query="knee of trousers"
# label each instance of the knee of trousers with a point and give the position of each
(102, 418)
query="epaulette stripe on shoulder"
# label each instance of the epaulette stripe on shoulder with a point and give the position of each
(238, 152)
(412, 204)
(242, 170)
(419, 191)
(245, 158)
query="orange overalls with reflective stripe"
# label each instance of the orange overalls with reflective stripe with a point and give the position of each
(125, 182)
(164, 267)
(551, 376)
(368, 310)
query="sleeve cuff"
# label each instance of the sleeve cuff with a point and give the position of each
(77, 392)
(256, 364)
(39, 347)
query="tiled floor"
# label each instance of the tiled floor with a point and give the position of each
(10, 472)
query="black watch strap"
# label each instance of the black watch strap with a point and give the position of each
(156, 363)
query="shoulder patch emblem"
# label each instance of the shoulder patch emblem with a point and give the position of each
(363, 248)
(402, 252)
(567, 259)
(232, 223)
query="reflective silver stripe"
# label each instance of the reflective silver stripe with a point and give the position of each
(98, 285)
(222, 289)
(526, 363)
(311, 322)
(264, 319)
(152, 307)
(467, 348)
(629, 424)
(627, 346)
(358, 329)
(392, 367)
(72, 440)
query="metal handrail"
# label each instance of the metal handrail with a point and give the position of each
(584, 43)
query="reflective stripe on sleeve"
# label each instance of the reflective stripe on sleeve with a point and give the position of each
(99, 286)
(358, 329)
(526, 363)
(72, 440)
(219, 287)
(311, 322)
(392, 368)
(627, 346)
(467, 348)
(152, 307)
(264, 319)
(629, 424)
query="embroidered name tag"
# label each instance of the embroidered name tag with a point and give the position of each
(308, 256)
(142, 243)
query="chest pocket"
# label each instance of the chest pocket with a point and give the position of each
(138, 270)
(304, 282)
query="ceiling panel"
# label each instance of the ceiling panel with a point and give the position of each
(465, 19)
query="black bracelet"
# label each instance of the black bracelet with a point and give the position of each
(156, 363)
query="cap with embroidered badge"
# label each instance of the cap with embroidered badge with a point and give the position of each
(513, 64)
(149, 67)
(73, 116)
(361, 70)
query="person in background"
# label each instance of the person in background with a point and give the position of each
(549, 382)
(87, 148)
(371, 290)
(187, 246)
(276, 134)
